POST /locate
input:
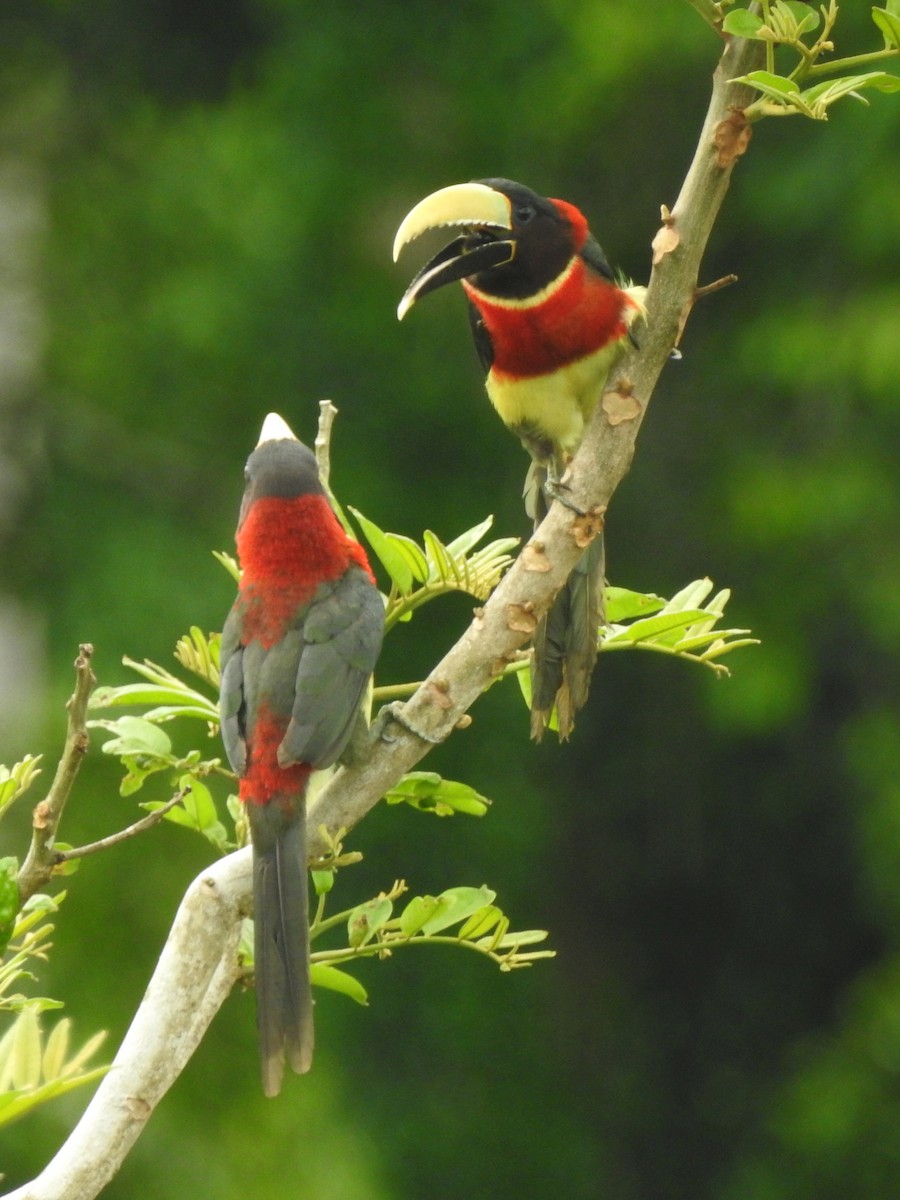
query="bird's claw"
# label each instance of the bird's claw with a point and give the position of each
(395, 711)
(555, 489)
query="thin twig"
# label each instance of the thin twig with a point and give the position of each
(716, 286)
(327, 413)
(41, 858)
(131, 831)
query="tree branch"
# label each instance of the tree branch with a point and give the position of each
(327, 413)
(122, 835)
(198, 963)
(42, 858)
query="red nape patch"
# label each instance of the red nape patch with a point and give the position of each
(576, 219)
(287, 548)
(298, 539)
(264, 780)
(580, 316)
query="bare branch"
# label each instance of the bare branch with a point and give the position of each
(716, 286)
(41, 857)
(327, 413)
(123, 835)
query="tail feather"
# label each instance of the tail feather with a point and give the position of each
(284, 1006)
(565, 645)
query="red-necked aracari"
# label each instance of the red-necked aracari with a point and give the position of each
(298, 648)
(549, 320)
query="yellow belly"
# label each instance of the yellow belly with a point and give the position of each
(557, 405)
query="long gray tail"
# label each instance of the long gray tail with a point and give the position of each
(284, 1006)
(565, 642)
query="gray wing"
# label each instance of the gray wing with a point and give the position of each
(342, 634)
(232, 708)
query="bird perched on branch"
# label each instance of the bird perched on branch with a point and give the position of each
(297, 651)
(549, 320)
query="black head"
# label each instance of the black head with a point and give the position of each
(544, 237)
(514, 242)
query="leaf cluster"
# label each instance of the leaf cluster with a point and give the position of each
(419, 573)
(377, 929)
(685, 626)
(15, 781)
(34, 1069)
(805, 34)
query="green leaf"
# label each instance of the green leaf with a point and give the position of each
(15, 1104)
(198, 804)
(415, 559)
(441, 565)
(65, 868)
(25, 1051)
(197, 811)
(55, 1049)
(136, 771)
(34, 910)
(525, 937)
(336, 980)
(716, 651)
(366, 919)
(806, 17)
(428, 792)
(200, 654)
(87, 1051)
(623, 605)
(776, 86)
(480, 923)
(9, 899)
(825, 94)
(416, 913)
(455, 904)
(16, 780)
(135, 735)
(889, 24)
(172, 698)
(37, 1004)
(656, 628)
(323, 881)
(691, 595)
(740, 23)
(461, 545)
(135, 693)
(393, 553)
(229, 562)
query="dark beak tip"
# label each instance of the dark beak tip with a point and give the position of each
(456, 262)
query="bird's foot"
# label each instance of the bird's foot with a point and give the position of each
(555, 489)
(395, 711)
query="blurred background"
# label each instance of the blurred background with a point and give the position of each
(197, 203)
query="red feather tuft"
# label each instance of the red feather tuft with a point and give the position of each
(264, 780)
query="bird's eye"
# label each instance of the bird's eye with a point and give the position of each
(524, 213)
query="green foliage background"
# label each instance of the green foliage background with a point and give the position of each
(717, 862)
